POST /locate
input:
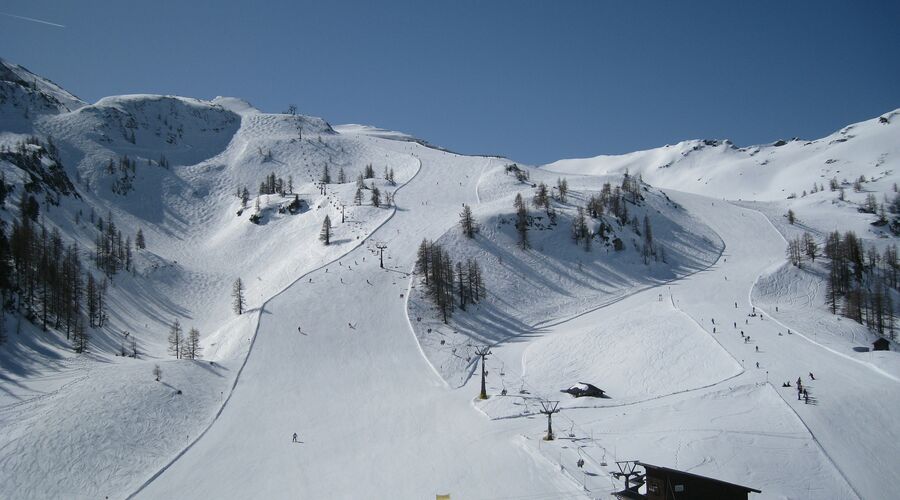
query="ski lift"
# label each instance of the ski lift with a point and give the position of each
(572, 434)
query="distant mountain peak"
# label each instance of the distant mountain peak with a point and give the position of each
(33, 94)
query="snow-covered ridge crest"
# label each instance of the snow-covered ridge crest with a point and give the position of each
(55, 97)
(764, 172)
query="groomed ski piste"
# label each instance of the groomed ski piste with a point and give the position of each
(382, 395)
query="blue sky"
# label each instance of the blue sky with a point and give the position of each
(535, 81)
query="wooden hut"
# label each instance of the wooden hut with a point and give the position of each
(664, 483)
(881, 344)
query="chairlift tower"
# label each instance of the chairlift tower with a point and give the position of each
(483, 352)
(628, 472)
(381, 247)
(549, 408)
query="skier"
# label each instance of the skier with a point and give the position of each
(295, 437)
(805, 397)
(811, 376)
(757, 364)
(757, 348)
(735, 305)
(735, 324)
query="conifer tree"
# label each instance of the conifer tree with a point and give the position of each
(648, 250)
(376, 197)
(467, 222)
(562, 189)
(325, 233)
(522, 222)
(191, 345)
(423, 260)
(579, 226)
(139, 239)
(237, 295)
(80, 336)
(542, 197)
(176, 339)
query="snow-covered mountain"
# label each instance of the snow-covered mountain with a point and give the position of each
(346, 344)
(25, 96)
(720, 169)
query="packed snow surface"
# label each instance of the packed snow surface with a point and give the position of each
(350, 354)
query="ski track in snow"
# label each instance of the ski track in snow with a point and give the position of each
(375, 415)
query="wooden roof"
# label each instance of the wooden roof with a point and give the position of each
(651, 467)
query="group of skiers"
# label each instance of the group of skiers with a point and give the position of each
(802, 393)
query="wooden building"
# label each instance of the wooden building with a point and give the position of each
(664, 483)
(881, 344)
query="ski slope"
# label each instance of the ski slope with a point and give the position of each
(373, 417)
(354, 359)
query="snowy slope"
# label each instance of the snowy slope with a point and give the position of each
(558, 278)
(767, 172)
(25, 96)
(194, 239)
(349, 355)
